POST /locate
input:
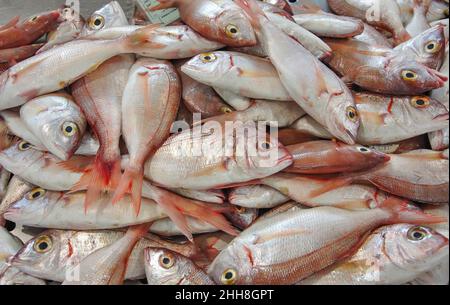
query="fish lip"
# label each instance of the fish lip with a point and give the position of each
(442, 117)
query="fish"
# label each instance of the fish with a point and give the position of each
(17, 187)
(109, 16)
(41, 74)
(242, 74)
(17, 127)
(64, 249)
(321, 93)
(374, 38)
(165, 267)
(108, 265)
(291, 136)
(99, 95)
(212, 196)
(427, 48)
(236, 101)
(329, 157)
(10, 23)
(166, 227)
(43, 169)
(380, 70)
(28, 31)
(392, 255)
(57, 122)
(152, 94)
(390, 119)
(419, 142)
(242, 217)
(9, 245)
(329, 25)
(10, 57)
(200, 98)
(384, 14)
(256, 196)
(419, 22)
(69, 29)
(289, 247)
(216, 167)
(172, 42)
(302, 188)
(307, 125)
(217, 20)
(437, 10)
(273, 113)
(418, 175)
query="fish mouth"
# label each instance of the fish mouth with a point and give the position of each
(287, 160)
(441, 79)
(441, 117)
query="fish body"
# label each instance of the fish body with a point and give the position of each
(256, 196)
(288, 247)
(392, 255)
(245, 75)
(329, 25)
(152, 95)
(328, 157)
(218, 20)
(29, 30)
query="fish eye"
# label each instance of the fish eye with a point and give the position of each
(34, 18)
(292, 1)
(265, 145)
(231, 30)
(226, 110)
(43, 244)
(240, 209)
(363, 149)
(69, 129)
(352, 113)
(166, 261)
(208, 57)
(24, 146)
(432, 47)
(417, 234)
(420, 102)
(409, 75)
(229, 277)
(36, 194)
(97, 22)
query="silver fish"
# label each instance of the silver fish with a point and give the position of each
(109, 16)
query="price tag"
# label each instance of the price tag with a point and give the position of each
(165, 16)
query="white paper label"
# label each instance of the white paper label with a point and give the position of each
(165, 16)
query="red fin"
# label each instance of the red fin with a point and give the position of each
(10, 23)
(404, 212)
(77, 164)
(131, 180)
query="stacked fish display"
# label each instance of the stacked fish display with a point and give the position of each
(335, 172)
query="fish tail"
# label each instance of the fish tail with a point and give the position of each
(252, 10)
(177, 207)
(131, 181)
(402, 211)
(141, 39)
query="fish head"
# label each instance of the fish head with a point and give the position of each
(33, 205)
(424, 110)
(109, 16)
(367, 156)
(58, 121)
(257, 152)
(208, 67)
(233, 266)
(242, 217)
(414, 248)
(42, 20)
(235, 28)
(427, 48)
(19, 157)
(345, 122)
(411, 77)
(41, 256)
(164, 267)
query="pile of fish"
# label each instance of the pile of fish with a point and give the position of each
(111, 150)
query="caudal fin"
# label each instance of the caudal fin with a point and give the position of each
(101, 176)
(131, 181)
(177, 207)
(402, 211)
